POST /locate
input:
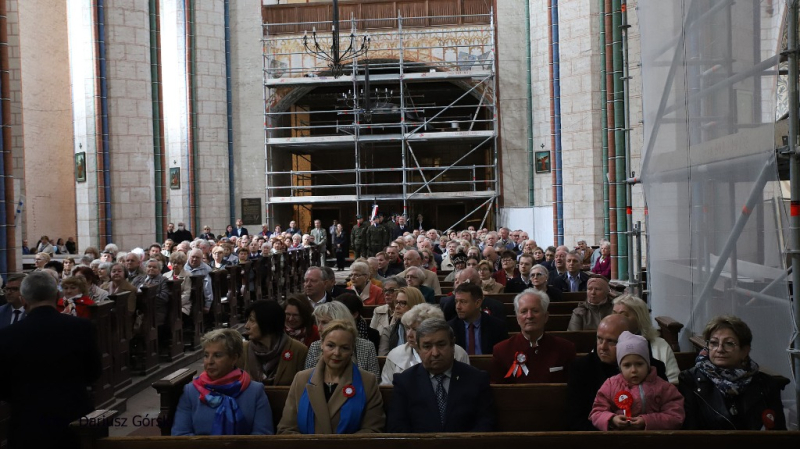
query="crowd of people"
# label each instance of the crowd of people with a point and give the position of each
(320, 345)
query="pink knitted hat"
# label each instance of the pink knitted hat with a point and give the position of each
(629, 343)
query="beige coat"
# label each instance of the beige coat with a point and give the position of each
(326, 414)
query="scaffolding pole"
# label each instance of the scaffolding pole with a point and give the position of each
(794, 181)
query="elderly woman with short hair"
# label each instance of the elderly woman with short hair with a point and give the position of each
(383, 315)
(539, 276)
(726, 390)
(635, 310)
(603, 264)
(587, 315)
(405, 356)
(360, 283)
(364, 354)
(224, 399)
(41, 259)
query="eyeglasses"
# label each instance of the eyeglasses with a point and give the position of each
(357, 275)
(536, 275)
(401, 303)
(728, 345)
(390, 290)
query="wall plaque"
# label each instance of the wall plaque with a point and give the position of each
(251, 210)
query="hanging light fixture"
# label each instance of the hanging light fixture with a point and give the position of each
(336, 59)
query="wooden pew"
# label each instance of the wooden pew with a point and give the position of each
(103, 389)
(554, 439)
(198, 302)
(144, 344)
(120, 340)
(219, 288)
(669, 329)
(484, 362)
(172, 349)
(231, 305)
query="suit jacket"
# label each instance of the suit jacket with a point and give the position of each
(493, 331)
(490, 306)
(562, 282)
(41, 367)
(6, 312)
(517, 285)
(327, 413)
(239, 232)
(413, 409)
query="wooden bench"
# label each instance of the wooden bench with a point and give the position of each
(531, 407)
(506, 440)
(484, 362)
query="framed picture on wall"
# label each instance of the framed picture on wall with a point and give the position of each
(175, 178)
(542, 162)
(80, 167)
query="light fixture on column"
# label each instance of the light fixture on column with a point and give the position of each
(333, 55)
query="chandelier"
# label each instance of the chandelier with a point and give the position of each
(335, 57)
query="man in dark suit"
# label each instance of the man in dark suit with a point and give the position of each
(523, 281)
(475, 331)
(13, 311)
(440, 394)
(422, 224)
(240, 229)
(44, 377)
(400, 228)
(469, 275)
(574, 280)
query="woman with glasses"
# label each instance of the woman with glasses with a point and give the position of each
(725, 389)
(383, 315)
(370, 294)
(508, 268)
(488, 284)
(41, 260)
(395, 335)
(539, 276)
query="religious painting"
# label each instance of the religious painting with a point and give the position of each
(80, 167)
(175, 178)
(542, 161)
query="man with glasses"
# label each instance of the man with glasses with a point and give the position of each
(207, 235)
(14, 310)
(588, 373)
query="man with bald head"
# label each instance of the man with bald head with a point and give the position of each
(588, 373)
(412, 259)
(470, 275)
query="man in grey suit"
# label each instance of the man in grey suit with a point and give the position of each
(320, 239)
(14, 310)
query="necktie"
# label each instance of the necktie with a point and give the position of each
(471, 344)
(17, 314)
(573, 284)
(441, 395)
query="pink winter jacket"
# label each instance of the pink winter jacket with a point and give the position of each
(655, 399)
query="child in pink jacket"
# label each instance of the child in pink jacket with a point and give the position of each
(636, 399)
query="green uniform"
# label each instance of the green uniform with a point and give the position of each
(377, 239)
(358, 240)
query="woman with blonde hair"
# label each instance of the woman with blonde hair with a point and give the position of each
(635, 310)
(364, 353)
(335, 396)
(395, 335)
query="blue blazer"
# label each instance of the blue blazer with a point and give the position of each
(195, 418)
(6, 312)
(413, 408)
(493, 331)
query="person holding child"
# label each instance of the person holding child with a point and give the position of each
(636, 399)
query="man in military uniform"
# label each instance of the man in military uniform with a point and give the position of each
(358, 237)
(377, 236)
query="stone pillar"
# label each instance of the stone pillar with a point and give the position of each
(16, 123)
(248, 100)
(49, 169)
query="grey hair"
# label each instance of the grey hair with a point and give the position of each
(420, 313)
(543, 298)
(322, 273)
(39, 286)
(111, 248)
(335, 310)
(360, 267)
(434, 325)
(329, 273)
(417, 271)
(106, 266)
(540, 268)
(230, 339)
(160, 265)
(400, 282)
(95, 263)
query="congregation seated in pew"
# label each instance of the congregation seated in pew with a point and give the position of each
(270, 356)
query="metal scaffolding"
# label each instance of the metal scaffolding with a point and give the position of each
(414, 120)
